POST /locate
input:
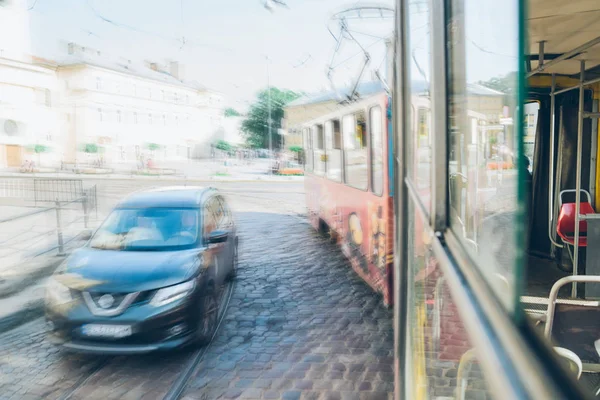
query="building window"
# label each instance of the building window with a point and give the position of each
(119, 117)
(48, 98)
(100, 115)
(150, 118)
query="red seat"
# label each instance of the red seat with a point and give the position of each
(566, 223)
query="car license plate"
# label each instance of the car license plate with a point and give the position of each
(114, 331)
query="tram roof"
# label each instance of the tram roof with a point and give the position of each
(372, 88)
(564, 26)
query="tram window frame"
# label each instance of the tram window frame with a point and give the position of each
(345, 142)
(371, 161)
(333, 141)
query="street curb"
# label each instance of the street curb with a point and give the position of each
(165, 178)
(45, 270)
(32, 311)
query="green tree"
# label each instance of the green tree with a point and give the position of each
(255, 126)
(153, 146)
(231, 112)
(223, 145)
(91, 148)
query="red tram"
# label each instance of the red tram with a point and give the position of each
(349, 185)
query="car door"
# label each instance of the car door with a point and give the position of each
(215, 251)
(226, 224)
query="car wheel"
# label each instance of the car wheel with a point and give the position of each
(209, 313)
(234, 262)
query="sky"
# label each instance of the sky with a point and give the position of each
(226, 41)
(224, 44)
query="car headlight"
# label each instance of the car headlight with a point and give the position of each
(172, 293)
(57, 293)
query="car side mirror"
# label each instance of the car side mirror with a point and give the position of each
(85, 234)
(217, 237)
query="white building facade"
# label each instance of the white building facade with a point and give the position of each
(28, 121)
(119, 111)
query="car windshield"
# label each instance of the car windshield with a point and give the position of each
(148, 230)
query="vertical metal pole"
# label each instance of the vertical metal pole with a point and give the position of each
(551, 194)
(578, 177)
(594, 155)
(269, 119)
(61, 246)
(84, 203)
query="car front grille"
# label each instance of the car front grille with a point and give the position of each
(108, 304)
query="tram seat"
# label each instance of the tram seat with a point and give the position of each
(565, 227)
(577, 328)
(574, 324)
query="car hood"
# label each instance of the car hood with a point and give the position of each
(96, 270)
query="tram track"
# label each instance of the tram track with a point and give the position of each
(178, 385)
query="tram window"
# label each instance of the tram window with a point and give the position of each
(355, 150)
(308, 161)
(483, 180)
(319, 154)
(376, 150)
(334, 153)
(318, 139)
(531, 116)
(419, 136)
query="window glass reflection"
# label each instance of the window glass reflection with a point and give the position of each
(441, 358)
(483, 167)
(419, 115)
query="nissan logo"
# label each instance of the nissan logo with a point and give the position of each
(106, 301)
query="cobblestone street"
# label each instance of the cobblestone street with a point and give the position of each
(300, 325)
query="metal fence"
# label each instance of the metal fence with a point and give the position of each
(17, 188)
(43, 230)
(51, 189)
(64, 208)
(47, 191)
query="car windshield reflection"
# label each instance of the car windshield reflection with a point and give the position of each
(148, 230)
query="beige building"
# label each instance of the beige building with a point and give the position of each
(130, 109)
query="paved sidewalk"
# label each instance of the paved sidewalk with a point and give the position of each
(29, 254)
(193, 170)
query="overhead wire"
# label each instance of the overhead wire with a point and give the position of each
(33, 5)
(357, 54)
